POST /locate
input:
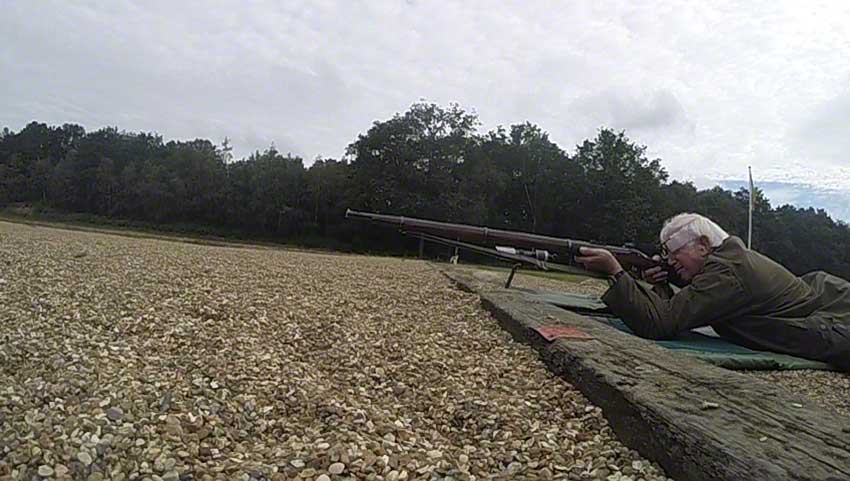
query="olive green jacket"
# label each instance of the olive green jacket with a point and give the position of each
(748, 299)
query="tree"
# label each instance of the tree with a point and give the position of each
(266, 193)
(40, 174)
(327, 185)
(515, 177)
(107, 185)
(62, 184)
(408, 163)
(621, 189)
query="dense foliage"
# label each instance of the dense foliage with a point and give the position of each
(428, 162)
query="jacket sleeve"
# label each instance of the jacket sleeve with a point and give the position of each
(713, 293)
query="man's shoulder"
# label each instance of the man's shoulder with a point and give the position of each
(751, 267)
(727, 255)
(732, 245)
(728, 261)
(718, 266)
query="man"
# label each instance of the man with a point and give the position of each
(745, 296)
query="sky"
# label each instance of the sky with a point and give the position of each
(709, 87)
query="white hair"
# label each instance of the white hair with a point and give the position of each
(687, 227)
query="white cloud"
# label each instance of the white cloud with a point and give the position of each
(823, 133)
(709, 87)
(658, 110)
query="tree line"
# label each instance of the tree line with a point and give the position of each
(430, 161)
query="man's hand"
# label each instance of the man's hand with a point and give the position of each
(655, 275)
(599, 260)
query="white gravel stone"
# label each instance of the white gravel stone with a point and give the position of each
(84, 458)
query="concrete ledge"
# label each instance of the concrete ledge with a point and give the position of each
(697, 421)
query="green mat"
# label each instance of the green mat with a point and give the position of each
(709, 349)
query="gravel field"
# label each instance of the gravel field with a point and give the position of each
(828, 389)
(525, 280)
(590, 287)
(145, 359)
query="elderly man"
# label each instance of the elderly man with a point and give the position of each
(745, 296)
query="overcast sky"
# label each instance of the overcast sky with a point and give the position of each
(710, 87)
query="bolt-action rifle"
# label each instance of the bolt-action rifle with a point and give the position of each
(544, 252)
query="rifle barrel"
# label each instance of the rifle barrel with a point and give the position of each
(629, 257)
(486, 235)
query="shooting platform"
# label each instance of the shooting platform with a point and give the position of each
(698, 421)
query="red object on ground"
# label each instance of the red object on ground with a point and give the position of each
(561, 332)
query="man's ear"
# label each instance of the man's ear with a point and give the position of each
(704, 245)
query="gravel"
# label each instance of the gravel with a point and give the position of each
(145, 359)
(589, 286)
(524, 280)
(827, 389)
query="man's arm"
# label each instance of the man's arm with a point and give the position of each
(714, 293)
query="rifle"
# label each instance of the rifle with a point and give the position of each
(544, 252)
